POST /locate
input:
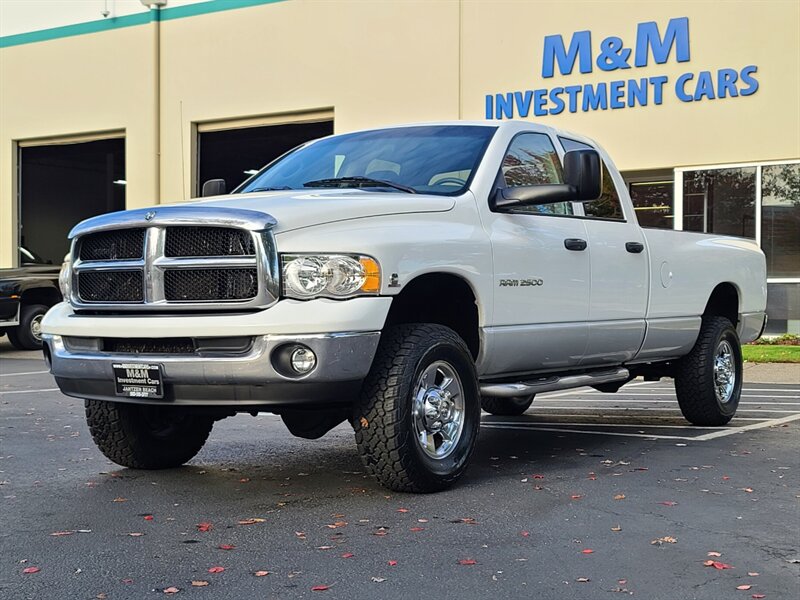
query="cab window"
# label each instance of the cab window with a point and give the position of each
(608, 205)
(531, 159)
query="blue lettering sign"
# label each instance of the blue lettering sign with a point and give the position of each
(580, 48)
(647, 38)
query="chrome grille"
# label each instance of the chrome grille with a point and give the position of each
(158, 260)
(208, 241)
(210, 284)
(111, 286)
(113, 245)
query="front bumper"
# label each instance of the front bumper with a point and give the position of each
(241, 379)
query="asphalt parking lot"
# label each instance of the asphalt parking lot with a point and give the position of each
(586, 496)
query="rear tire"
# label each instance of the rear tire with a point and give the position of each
(416, 421)
(507, 407)
(146, 437)
(708, 380)
(27, 335)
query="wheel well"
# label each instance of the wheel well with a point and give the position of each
(439, 298)
(724, 302)
(44, 295)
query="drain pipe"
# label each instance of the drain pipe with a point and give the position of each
(155, 7)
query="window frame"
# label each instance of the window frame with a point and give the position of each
(678, 196)
(500, 181)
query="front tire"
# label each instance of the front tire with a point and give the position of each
(146, 437)
(708, 380)
(416, 421)
(28, 334)
(507, 407)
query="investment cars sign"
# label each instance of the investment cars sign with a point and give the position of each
(612, 55)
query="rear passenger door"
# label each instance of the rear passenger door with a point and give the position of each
(619, 275)
(541, 287)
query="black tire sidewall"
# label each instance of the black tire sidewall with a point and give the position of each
(461, 362)
(21, 336)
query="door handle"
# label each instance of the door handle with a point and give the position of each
(634, 247)
(576, 244)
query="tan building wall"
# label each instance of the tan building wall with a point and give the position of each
(375, 63)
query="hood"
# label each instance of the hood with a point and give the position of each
(293, 209)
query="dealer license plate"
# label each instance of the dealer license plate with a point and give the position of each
(136, 380)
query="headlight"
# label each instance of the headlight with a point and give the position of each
(63, 277)
(332, 275)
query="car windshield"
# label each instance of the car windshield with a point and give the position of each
(427, 159)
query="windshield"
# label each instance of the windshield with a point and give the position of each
(429, 159)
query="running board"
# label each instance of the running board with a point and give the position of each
(552, 384)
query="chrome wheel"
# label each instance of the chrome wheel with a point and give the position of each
(36, 327)
(438, 410)
(724, 372)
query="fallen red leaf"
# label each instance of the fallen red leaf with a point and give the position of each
(538, 476)
(467, 561)
(216, 569)
(525, 533)
(758, 596)
(619, 497)
(30, 570)
(226, 547)
(587, 551)
(717, 564)
(348, 555)
(392, 563)
(171, 590)
(744, 587)
(402, 510)
(244, 480)
(127, 580)
(204, 527)
(148, 517)
(320, 588)
(725, 478)
(668, 503)
(261, 573)
(417, 529)
(576, 496)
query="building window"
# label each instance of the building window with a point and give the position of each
(780, 219)
(720, 201)
(653, 203)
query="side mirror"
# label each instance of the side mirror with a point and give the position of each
(582, 176)
(213, 187)
(582, 172)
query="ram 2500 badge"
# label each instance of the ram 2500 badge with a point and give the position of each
(400, 279)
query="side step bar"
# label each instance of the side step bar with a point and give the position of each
(551, 384)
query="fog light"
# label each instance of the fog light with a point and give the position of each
(303, 360)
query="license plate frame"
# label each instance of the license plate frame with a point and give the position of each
(138, 380)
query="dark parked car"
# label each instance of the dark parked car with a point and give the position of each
(26, 293)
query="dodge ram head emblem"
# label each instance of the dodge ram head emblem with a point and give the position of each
(150, 215)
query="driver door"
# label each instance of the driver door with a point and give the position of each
(541, 280)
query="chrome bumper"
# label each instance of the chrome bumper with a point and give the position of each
(241, 379)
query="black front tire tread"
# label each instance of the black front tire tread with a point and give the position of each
(694, 377)
(383, 442)
(118, 434)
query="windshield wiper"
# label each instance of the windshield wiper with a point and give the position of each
(357, 181)
(267, 189)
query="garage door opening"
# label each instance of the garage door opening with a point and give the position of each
(235, 154)
(62, 184)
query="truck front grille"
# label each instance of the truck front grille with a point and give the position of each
(111, 286)
(166, 266)
(182, 285)
(208, 241)
(113, 245)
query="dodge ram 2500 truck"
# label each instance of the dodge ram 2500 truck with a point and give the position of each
(400, 279)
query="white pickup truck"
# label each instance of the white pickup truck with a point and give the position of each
(400, 279)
